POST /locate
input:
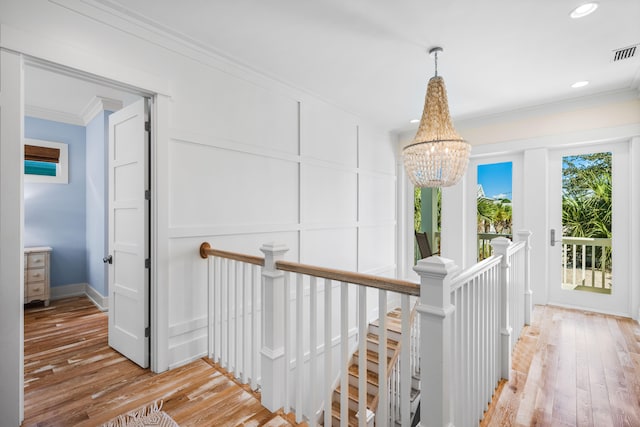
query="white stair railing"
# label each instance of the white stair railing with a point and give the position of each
(313, 319)
(234, 321)
(466, 330)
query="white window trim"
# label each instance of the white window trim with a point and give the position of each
(62, 167)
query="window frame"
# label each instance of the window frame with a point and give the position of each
(62, 167)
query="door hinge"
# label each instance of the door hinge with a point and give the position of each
(147, 194)
(147, 126)
(147, 332)
(147, 263)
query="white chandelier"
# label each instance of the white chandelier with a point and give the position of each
(437, 156)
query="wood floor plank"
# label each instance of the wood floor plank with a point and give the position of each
(579, 369)
(73, 378)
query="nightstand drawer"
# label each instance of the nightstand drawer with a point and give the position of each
(36, 260)
(35, 290)
(35, 275)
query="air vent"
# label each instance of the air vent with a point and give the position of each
(624, 53)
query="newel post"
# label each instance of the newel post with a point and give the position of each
(436, 406)
(501, 247)
(525, 235)
(272, 353)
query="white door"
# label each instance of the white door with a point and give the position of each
(590, 269)
(129, 233)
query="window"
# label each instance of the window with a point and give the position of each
(45, 161)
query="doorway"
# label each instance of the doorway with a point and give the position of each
(589, 223)
(58, 103)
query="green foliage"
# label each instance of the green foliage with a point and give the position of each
(586, 198)
(417, 209)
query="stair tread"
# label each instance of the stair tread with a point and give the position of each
(372, 376)
(335, 413)
(354, 394)
(391, 343)
(372, 356)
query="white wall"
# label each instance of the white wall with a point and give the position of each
(240, 160)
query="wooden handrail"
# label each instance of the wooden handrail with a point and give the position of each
(206, 251)
(371, 281)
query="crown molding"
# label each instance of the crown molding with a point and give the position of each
(98, 104)
(53, 115)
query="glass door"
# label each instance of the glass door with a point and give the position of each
(588, 218)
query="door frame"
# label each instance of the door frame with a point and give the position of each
(81, 65)
(615, 303)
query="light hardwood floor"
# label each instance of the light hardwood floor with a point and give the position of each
(73, 378)
(572, 368)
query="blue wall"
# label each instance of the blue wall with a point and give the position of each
(96, 201)
(54, 214)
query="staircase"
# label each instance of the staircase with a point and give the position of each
(393, 352)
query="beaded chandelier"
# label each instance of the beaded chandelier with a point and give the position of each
(437, 156)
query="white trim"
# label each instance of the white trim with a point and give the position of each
(97, 105)
(62, 167)
(80, 289)
(96, 298)
(53, 115)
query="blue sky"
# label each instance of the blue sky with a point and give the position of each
(495, 179)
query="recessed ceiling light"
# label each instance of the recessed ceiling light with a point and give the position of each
(580, 84)
(414, 121)
(583, 10)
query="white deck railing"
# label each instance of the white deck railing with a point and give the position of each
(313, 319)
(586, 262)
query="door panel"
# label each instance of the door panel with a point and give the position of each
(586, 271)
(128, 233)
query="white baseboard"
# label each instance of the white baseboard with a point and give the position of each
(96, 297)
(80, 289)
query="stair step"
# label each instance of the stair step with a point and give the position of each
(371, 359)
(335, 415)
(372, 377)
(353, 397)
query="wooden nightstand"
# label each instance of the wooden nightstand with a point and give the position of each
(36, 274)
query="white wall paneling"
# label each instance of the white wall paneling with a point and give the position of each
(212, 186)
(329, 195)
(327, 133)
(237, 156)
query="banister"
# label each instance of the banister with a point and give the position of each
(206, 251)
(388, 284)
(462, 277)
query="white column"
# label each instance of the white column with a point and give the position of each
(500, 247)
(525, 235)
(436, 405)
(272, 353)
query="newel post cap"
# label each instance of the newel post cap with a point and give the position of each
(274, 248)
(435, 267)
(500, 243)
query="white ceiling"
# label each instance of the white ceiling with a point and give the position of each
(369, 56)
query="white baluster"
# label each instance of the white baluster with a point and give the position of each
(287, 341)
(328, 350)
(362, 356)
(313, 345)
(383, 392)
(344, 354)
(405, 367)
(299, 347)
(254, 328)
